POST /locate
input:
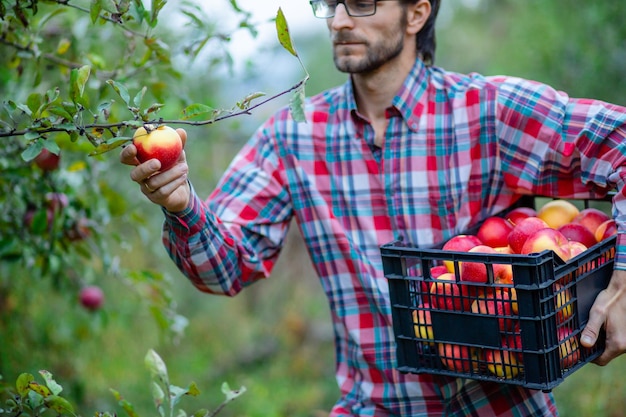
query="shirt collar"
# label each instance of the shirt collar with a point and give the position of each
(408, 101)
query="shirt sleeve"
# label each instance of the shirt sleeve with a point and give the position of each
(234, 237)
(555, 145)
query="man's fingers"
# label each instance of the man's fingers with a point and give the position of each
(183, 135)
(128, 156)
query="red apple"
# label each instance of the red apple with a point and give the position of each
(578, 233)
(494, 231)
(459, 243)
(591, 218)
(606, 230)
(576, 248)
(497, 303)
(477, 271)
(91, 297)
(523, 230)
(547, 238)
(557, 213)
(162, 143)
(520, 213)
(569, 349)
(458, 358)
(445, 293)
(47, 161)
(438, 270)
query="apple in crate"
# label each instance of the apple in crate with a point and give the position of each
(547, 239)
(496, 302)
(494, 231)
(422, 324)
(569, 349)
(458, 358)
(591, 218)
(520, 213)
(477, 271)
(557, 213)
(445, 293)
(459, 243)
(523, 230)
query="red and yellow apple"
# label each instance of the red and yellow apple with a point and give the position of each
(591, 218)
(578, 233)
(523, 230)
(445, 293)
(459, 243)
(496, 302)
(422, 324)
(569, 348)
(478, 271)
(550, 239)
(520, 213)
(494, 231)
(563, 303)
(458, 358)
(557, 213)
(502, 363)
(606, 230)
(158, 142)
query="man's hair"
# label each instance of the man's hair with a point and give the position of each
(426, 37)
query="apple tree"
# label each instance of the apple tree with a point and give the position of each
(77, 78)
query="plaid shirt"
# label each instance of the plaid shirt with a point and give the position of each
(457, 149)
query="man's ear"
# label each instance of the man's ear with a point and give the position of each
(417, 15)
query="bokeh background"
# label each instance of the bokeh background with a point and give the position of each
(275, 337)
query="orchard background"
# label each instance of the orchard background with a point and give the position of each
(76, 78)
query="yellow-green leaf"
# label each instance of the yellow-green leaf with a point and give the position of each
(23, 384)
(284, 37)
(59, 404)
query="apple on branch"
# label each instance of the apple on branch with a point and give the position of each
(162, 143)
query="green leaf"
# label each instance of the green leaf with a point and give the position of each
(22, 384)
(296, 105)
(61, 112)
(34, 102)
(156, 366)
(195, 110)
(159, 398)
(32, 151)
(128, 407)
(284, 37)
(121, 90)
(139, 97)
(156, 7)
(59, 404)
(94, 10)
(110, 145)
(50, 382)
(232, 394)
(78, 80)
(38, 388)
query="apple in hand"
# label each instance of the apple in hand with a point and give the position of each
(91, 297)
(523, 230)
(162, 143)
(494, 231)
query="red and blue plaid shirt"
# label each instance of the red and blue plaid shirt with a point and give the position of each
(457, 149)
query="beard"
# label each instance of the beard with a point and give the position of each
(376, 56)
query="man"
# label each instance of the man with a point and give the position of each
(403, 149)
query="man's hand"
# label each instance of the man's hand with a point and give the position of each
(169, 189)
(608, 310)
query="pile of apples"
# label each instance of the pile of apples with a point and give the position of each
(487, 289)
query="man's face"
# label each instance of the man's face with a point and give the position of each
(364, 44)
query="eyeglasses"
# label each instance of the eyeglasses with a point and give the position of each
(325, 9)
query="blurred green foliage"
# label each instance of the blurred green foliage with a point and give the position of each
(274, 338)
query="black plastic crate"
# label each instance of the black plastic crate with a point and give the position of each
(532, 340)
